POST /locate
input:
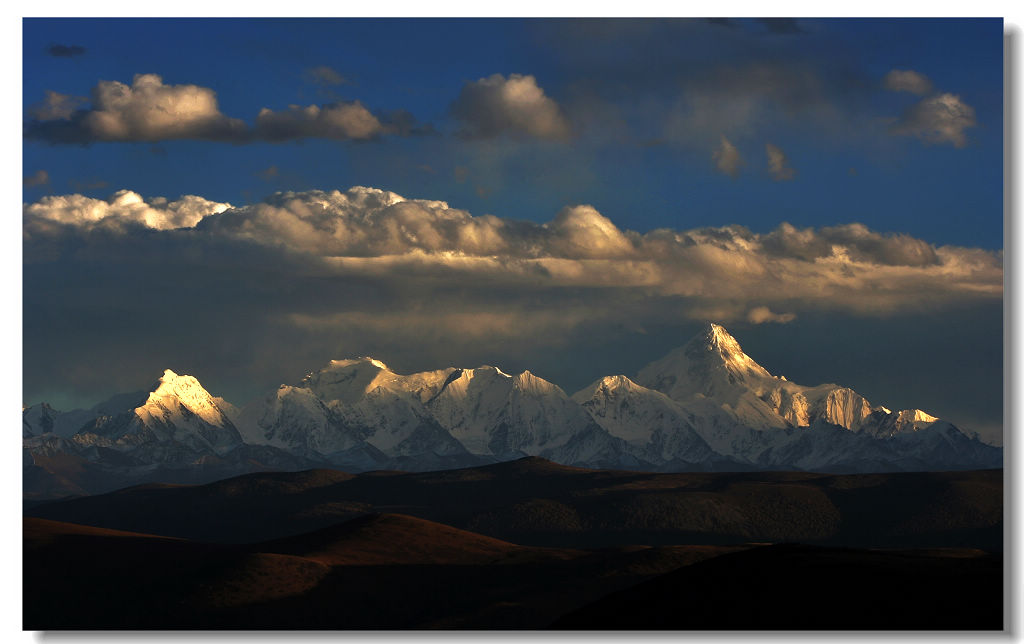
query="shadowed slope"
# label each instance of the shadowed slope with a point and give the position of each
(39, 533)
(378, 539)
(802, 587)
(535, 502)
(377, 571)
(84, 577)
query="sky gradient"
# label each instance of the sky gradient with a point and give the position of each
(570, 196)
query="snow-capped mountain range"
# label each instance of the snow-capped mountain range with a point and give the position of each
(704, 406)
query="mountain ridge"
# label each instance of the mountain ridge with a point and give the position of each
(705, 405)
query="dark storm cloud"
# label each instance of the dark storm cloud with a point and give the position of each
(65, 51)
(738, 80)
(149, 110)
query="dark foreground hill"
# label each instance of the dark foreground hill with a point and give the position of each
(398, 572)
(375, 572)
(538, 503)
(789, 587)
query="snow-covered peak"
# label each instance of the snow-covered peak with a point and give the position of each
(711, 363)
(349, 362)
(715, 343)
(346, 380)
(717, 333)
(606, 387)
(916, 416)
(463, 383)
(173, 389)
(484, 369)
(526, 381)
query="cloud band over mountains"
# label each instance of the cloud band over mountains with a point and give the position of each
(373, 232)
(117, 288)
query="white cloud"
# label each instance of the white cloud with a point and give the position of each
(938, 119)
(583, 232)
(335, 121)
(856, 241)
(778, 164)
(123, 208)
(762, 314)
(380, 235)
(56, 107)
(907, 80)
(515, 105)
(727, 158)
(149, 110)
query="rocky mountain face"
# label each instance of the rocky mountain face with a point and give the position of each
(704, 406)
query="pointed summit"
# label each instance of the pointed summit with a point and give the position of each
(711, 363)
(716, 334)
(185, 391)
(715, 342)
(177, 411)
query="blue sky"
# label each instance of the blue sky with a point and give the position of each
(878, 141)
(848, 168)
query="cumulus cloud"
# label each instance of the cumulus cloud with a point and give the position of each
(38, 178)
(146, 110)
(942, 118)
(855, 241)
(907, 80)
(379, 234)
(335, 121)
(778, 164)
(123, 208)
(56, 107)
(762, 314)
(150, 110)
(727, 158)
(583, 232)
(515, 105)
